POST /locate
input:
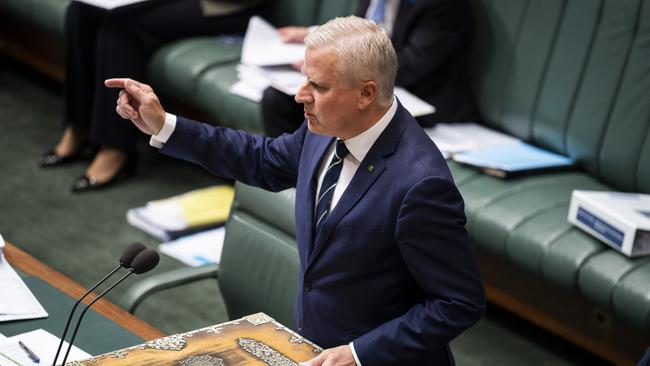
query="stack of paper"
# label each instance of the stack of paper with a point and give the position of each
(267, 61)
(196, 249)
(509, 160)
(263, 46)
(42, 343)
(184, 214)
(17, 301)
(495, 153)
(453, 138)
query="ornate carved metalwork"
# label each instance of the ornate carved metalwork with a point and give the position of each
(117, 354)
(259, 318)
(214, 329)
(264, 353)
(203, 360)
(172, 343)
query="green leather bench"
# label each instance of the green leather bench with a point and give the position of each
(569, 75)
(573, 77)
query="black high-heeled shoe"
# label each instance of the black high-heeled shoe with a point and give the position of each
(51, 159)
(85, 183)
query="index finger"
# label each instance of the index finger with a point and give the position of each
(115, 82)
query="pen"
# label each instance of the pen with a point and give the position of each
(31, 354)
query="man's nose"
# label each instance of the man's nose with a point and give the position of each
(303, 95)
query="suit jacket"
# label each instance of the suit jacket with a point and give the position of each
(432, 38)
(391, 268)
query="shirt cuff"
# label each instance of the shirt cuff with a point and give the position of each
(354, 353)
(160, 139)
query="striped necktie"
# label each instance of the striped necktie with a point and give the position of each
(329, 184)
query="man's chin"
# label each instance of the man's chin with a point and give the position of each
(316, 128)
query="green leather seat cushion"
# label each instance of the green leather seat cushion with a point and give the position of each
(232, 110)
(176, 68)
(525, 221)
(50, 15)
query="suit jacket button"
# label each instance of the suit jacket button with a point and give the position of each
(307, 286)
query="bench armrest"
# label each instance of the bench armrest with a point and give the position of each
(163, 281)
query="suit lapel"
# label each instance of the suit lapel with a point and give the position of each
(372, 166)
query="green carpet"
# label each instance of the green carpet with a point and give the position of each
(82, 235)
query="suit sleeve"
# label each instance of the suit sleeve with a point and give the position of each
(268, 163)
(434, 244)
(431, 37)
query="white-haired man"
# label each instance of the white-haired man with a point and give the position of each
(387, 275)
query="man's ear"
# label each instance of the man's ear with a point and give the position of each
(367, 94)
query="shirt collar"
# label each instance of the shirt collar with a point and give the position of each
(360, 145)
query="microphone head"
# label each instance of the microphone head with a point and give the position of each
(129, 254)
(145, 261)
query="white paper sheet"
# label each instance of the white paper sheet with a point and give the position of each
(263, 46)
(110, 4)
(17, 301)
(416, 106)
(453, 138)
(42, 343)
(197, 249)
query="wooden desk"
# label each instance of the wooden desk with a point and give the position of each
(32, 266)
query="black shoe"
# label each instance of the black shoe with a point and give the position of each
(51, 159)
(85, 183)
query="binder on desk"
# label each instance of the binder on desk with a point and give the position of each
(620, 220)
(513, 159)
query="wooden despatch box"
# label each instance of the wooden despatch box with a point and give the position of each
(252, 340)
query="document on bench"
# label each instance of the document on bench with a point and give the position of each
(263, 46)
(42, 343)
(513, 159)
(452, 138)
(110, 4)
(17, 301)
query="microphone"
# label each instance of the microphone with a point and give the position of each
(143, 262)
(126, 259)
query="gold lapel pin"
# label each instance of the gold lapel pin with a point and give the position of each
(371, 168)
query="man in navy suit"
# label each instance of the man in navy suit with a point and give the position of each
(387, 276)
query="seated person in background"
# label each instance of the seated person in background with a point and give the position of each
(431, 38)
(99, 44)
(387, 275)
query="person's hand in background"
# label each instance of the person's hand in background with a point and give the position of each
(293, 34)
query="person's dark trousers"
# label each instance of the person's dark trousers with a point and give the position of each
(103, 44)
(280, 113)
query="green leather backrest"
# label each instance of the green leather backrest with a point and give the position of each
(329, 9)
(291, 12)
(259, 262)
(307, 12)
(572, 76)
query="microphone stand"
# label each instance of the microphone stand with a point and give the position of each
(67, 324)
(74, 334)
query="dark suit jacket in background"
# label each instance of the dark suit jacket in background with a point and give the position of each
(432, 39)
(391, 268)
